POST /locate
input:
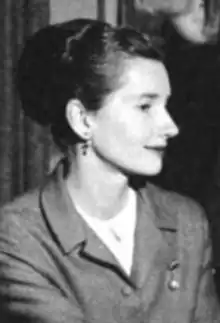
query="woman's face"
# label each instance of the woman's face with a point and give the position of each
(132, 128)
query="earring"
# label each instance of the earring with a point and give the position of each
(85, 147)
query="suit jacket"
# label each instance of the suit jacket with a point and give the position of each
(53, 268)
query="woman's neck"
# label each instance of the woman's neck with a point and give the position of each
(98, 189)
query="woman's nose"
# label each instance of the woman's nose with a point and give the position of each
(173, 128)
(170, 128)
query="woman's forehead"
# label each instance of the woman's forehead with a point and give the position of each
(146, 78)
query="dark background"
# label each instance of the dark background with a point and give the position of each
(192, 163)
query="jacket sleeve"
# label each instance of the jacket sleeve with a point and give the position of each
(27, 292)
(208, 307)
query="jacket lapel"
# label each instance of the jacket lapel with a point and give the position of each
(97, 251)
(155, 243)
(67, 225)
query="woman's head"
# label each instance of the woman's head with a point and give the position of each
(81, 59)
(75, 69)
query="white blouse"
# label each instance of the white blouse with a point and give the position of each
(117, 233)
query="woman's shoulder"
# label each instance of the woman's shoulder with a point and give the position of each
(23, 229)
(21, 212)
(183, 208)
(182, 214)
(28, 200)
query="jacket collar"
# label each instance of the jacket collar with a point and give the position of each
(61, 215)
(156, 239)
(160, 204)
(70, 229)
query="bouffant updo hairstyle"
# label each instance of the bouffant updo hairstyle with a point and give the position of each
(79, 59)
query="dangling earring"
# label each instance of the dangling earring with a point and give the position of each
(85, 147)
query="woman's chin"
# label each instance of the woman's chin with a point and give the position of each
(150, 169)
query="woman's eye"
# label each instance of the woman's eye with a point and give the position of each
(145, 106)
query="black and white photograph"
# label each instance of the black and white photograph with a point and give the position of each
(109, 161)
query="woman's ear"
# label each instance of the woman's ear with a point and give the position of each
(78, 119)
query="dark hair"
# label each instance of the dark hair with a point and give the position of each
(76, 59)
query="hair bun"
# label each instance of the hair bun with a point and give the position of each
(34, 74)
(42, 65)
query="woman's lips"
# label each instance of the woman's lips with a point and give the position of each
(159, 148)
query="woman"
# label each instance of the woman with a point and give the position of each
(91, 245)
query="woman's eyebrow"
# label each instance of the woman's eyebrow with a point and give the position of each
(151, 96)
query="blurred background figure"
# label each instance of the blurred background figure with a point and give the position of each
(196, 20)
